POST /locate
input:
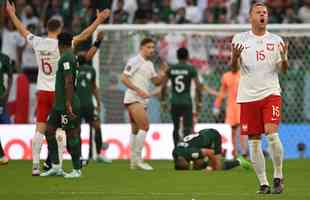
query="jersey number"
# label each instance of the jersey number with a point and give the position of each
(260, 55)
(179, 83)
(275, 111)
(190, 137)
(46, 67)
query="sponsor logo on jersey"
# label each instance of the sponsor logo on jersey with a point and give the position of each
(66, 66)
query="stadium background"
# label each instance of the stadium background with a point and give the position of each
(209, 52)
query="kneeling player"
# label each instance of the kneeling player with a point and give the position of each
(197, 147)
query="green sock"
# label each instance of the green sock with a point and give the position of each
(74, 148)
(52, 147)
(229, 164)
(98, 140)
(1, 151)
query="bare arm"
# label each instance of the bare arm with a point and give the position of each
(101, 17)
(161, 76)
(10, 8)
(93, 50)
(126, 81)
(221, 95)
(283, 64)
(69, 92)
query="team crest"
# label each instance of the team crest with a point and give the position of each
(88, 76)
(270, 46)
(244, 127)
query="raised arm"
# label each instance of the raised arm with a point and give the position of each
(157, 80)
(10, 8)
(283, 64)
(235, 58)
(92, 51)
(101, 17)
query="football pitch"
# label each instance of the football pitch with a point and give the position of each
(116, 181)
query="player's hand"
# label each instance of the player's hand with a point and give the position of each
(143, 94)
(284, 50)
(100, 36)
(69, 109)
(237, 50)
(103, 15)
(164, 67)
(10, 8)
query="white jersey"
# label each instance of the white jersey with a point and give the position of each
(47, 56)
(140, 72)
(258, 66)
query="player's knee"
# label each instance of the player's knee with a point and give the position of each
(271, 128)
(144, 126)
(254, 137)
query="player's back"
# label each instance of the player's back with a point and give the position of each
(181, 76)
(47, 56)
(84, 84)
(258, 66)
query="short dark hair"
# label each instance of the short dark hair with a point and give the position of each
(182, 54)
(53, 24)
(181, 163)
(65, 39)
(257, 4)
(146, 41)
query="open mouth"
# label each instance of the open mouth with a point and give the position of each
(262, 21)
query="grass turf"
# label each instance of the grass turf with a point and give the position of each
(116, 181)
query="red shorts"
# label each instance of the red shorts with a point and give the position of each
(254, 115)
(45, 101)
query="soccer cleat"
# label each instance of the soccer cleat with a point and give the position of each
(263, 189)
(244, 163)
(103, 159)
(278, 186)
(73, 174)
(46, 166)
(105, 145)
(36, 172)
(4, 161)
(144, 166)
(54, 171)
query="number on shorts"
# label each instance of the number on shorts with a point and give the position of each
(64, 119)
(179, 83)
(275, 111)
(46, 67)
(190, 137)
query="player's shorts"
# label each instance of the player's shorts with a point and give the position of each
(254, 115)
(45, 101)
(89, 114)
(60, 119)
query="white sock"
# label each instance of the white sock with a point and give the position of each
(276, 154)
(133, 147)
(258, 161)
(140, 138)
(61, 141)
(37, 142)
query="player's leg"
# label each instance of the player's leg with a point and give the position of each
(234, 131)
(3, 159)
(52, 125)
(252, 125)
(140, 117)
(133, 144)
(187, 114)
(175, 116)
(272, 116)
(74, 148)
(37, 142)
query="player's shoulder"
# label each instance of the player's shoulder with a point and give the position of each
(241, 36)
(134, 60)
(275, 37)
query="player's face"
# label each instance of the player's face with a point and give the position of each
(259, 17)
(148, 49)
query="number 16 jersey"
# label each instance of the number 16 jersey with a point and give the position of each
(47, 56)
(258, 66)
(181, 76)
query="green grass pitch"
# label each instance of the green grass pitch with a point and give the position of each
(117, 182)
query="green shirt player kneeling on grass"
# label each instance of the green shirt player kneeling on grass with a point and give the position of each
(202, 146)
(66, 110)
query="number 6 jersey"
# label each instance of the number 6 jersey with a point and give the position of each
(258, 66)
(47, 56)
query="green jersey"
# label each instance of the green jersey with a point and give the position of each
(67, 65)
(191, 145)
(87, 75)
(181, 76)
(5, 68)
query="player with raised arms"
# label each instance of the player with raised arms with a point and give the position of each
(47, 56)
(261, 55)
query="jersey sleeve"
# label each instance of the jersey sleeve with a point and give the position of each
(33, 40)
(67, 65)
(194, 73)
(131, 67)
